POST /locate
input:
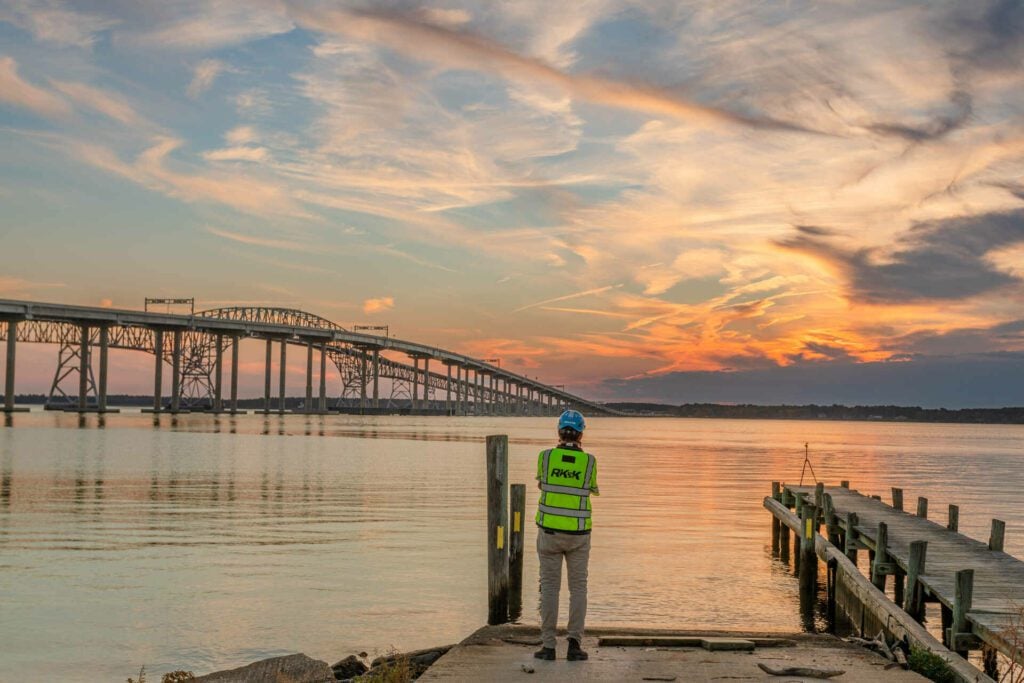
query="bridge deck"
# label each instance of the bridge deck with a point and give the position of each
(998, 596)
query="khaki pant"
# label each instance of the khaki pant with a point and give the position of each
(551, 548)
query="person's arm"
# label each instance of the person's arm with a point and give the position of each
(540, 468)
(593, 480)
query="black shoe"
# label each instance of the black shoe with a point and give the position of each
(546, 653)
(575, 653)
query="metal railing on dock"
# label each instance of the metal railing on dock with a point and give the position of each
(979, 587)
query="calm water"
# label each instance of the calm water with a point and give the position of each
(206, 543)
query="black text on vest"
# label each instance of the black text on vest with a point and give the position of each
(565, 474)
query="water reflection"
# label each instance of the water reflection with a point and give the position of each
(206, 541)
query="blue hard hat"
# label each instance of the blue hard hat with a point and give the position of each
(573, 420)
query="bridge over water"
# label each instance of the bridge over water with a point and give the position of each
(194, 348)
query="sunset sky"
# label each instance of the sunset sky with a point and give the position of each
(675, 201)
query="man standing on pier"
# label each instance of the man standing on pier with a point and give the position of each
(566, 476)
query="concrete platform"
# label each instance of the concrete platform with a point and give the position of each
(500, 653)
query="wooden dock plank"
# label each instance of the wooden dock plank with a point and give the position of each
(998, 577)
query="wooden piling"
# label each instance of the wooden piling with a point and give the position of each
(831, 523)
(783, 542)
(990, 662)
(850, 541)
(922, 507)
(819, 496)
(831, 584)
(959, 629)
(776, 524)
(997, 535)
(517, 512)
(954, 518)
(808, 557)
(897, 498)
(880, 566)
(497, 529)
(914, 603)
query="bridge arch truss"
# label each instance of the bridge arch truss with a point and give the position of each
(194, 348)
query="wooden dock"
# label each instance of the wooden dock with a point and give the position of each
(996, 595)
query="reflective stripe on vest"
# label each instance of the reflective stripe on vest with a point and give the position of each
(555, 488)
(562, 506)
(548, 510)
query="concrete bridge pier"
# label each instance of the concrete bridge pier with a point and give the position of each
(495, 396)
(101, 390)
(281, 376)
(176, 372)
(83, 369)
(415, 397)
(322, 403)
(12, 340)
(307, 405)
(266, 376)
(363, 380)
(448, 389)
(218, 373)
(234, 373)
(376, 379)
(158, 370)
(458, 390)
(426, 384)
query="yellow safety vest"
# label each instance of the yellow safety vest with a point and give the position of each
(566, 478)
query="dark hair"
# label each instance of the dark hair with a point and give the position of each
(569, 435)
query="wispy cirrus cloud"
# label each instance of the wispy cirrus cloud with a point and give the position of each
(16, 91)
(203, 76)
(56, 23)
(567, 297)
(414, 36)
(103, 101)
(197, 26)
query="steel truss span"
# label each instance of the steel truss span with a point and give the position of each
(192, 349)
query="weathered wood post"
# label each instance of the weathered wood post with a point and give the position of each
(801, 504)
(776, 495)
(880, 566)
(954, 518)
(497, 529)
(922, 507)
(819, 496)
(960, 632)
(997, 535)
(990, 661)
(831, 583)
(898, 594)
(831, 523)
(850, 540)
(784, 532)
(808, 558)
(897, 499)
(517, 501)
(914, 604)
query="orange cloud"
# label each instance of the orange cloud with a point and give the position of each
(378, 305)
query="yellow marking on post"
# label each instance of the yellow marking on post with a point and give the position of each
(808, 528)
(501, 537)
(516, 525)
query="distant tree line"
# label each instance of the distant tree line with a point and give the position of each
(1011, 415)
